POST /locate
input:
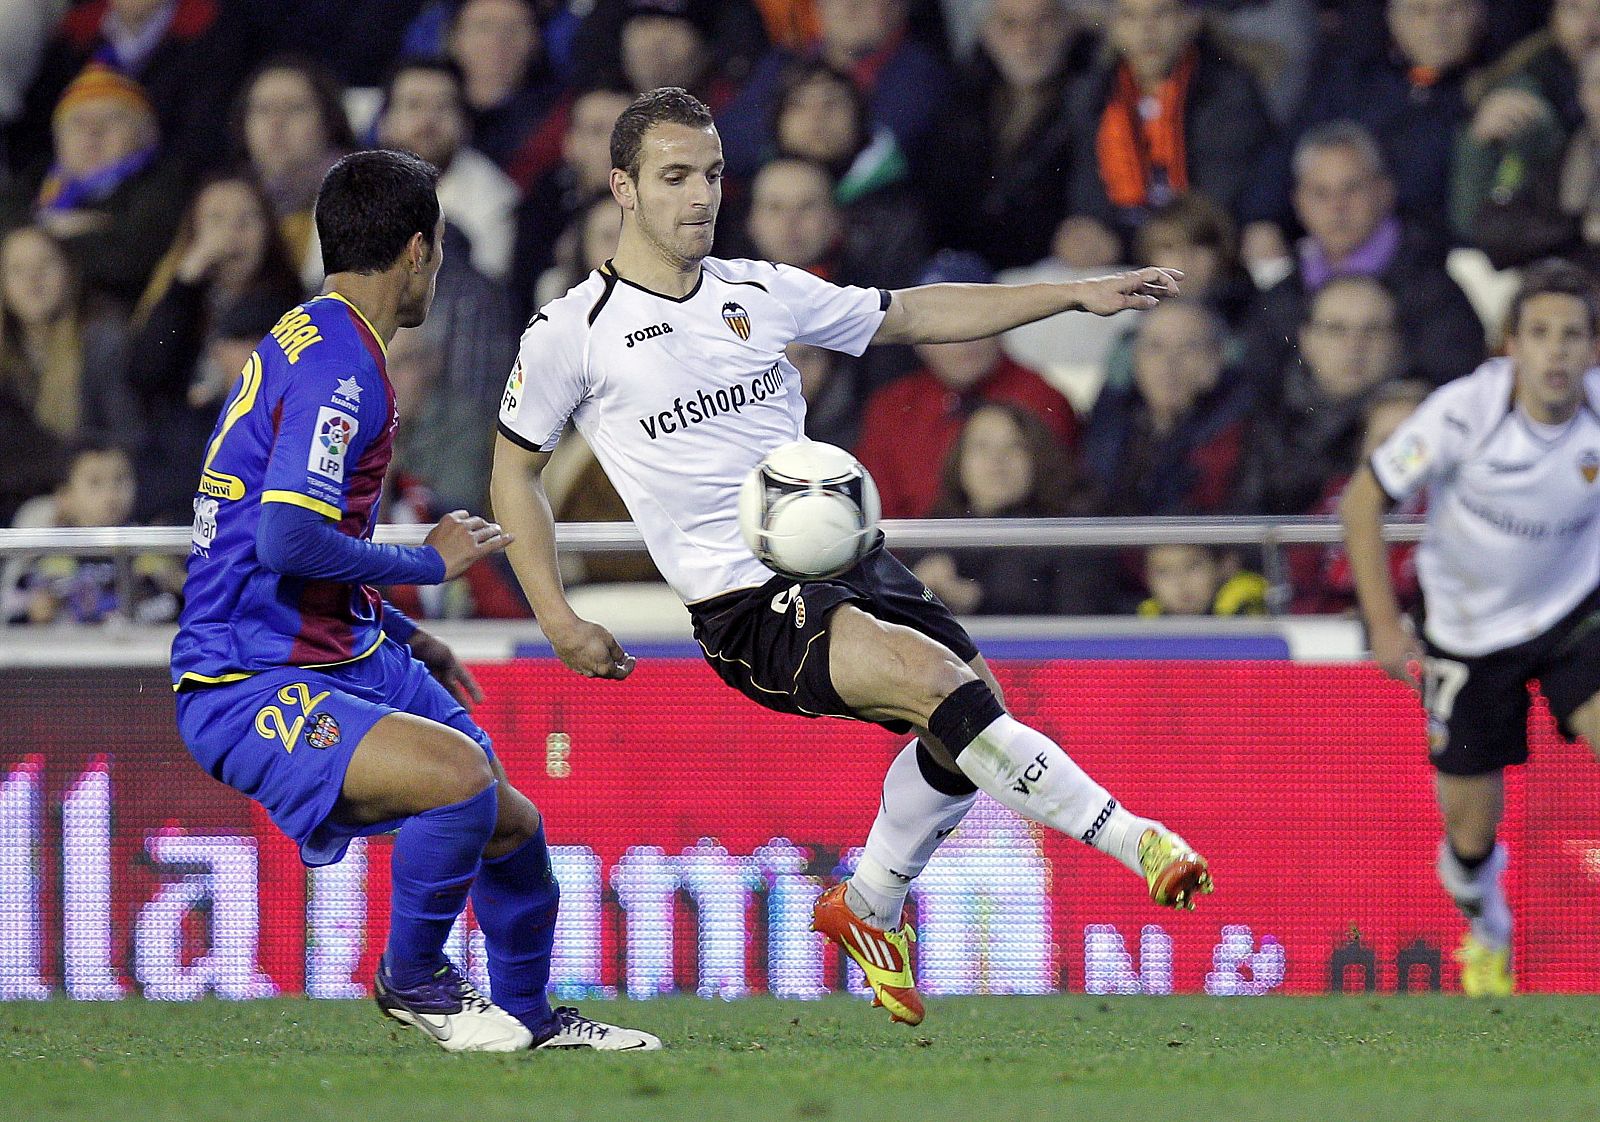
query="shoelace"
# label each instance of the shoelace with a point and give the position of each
(463, 990)
(575, 1022)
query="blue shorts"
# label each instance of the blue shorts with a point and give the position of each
(285, 737)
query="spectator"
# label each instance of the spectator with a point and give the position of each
(821, 116)
(1169, 441)
(1410, 96)
(904, 81)
(567, 189)
(997, 169)
(59, 359)
(1529, 108)
(496, 43)
(97, 490)
(424, 111)
(28, 25)
(1199, 580)
(1196, 237)
(1546, 201)
(1346, 202)
(288, 123)
(794, 220)
(909, 425)
(1310, 430)
(353, 40)
(1006, 463)
(187, 55)
(726, 36)
(831, 383)
(1320, 576)
(583, 247)
(105, 192)
(226, 253)
(472, 326)
(1534, 85)
(1164, 113)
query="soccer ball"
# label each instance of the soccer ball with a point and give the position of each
(809, 510)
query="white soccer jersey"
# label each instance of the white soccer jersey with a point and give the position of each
(1513, 538)
(681, 398)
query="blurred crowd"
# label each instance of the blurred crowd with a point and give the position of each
(1349, 186)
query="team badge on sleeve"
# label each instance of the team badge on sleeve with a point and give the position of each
(334, 432)
(737, 318)
(1589, 464)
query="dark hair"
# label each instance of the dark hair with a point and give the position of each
(669, 105)
(370, 205)
(411, 64)
(90, 444)
(1200, 221)
(276, 270)
(802, 73)
(1555, 276)
(1056, 490)
(325, 91)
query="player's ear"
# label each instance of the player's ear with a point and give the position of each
(623, 189)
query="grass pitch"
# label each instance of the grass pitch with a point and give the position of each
(1443, 1059)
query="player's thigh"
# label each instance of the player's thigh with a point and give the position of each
(1570, 680)
(408, 764)
(1477, 711)
(942, 755)
(886, 671)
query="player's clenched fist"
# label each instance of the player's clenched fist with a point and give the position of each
(463, 538)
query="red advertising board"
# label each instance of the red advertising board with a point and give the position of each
(691, 831)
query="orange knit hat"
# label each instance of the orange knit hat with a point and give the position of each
(97, 82)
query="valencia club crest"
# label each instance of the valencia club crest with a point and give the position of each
(737, 318)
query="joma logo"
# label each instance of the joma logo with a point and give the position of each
(649, 332)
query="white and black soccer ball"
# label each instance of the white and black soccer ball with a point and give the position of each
(809, 510)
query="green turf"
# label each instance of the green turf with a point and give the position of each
(1441, 1059)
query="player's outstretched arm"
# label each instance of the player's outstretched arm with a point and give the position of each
(952, 313)
(1362, 510)
(516, 491)
(305, 543)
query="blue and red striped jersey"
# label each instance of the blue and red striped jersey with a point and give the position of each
(310, 422)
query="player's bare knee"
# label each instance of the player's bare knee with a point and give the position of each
(516, 824)
(462, 769)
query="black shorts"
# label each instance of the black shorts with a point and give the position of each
(771, 643)
(1478, 707)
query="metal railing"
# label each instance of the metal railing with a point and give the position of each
(919, 533)
(1268, 535)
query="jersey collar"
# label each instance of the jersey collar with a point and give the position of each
(345, 300)
(611, 270)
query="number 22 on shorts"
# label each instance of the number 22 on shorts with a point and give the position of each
(270, 721)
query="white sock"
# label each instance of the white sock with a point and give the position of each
(1478, 894)
(1028, 772)
(912, 820)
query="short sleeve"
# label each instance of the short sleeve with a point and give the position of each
(828, 315)
(1426, 447)
(547, 383)
(326, 419)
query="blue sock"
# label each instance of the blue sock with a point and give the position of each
(515, 899)
(435, 857)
